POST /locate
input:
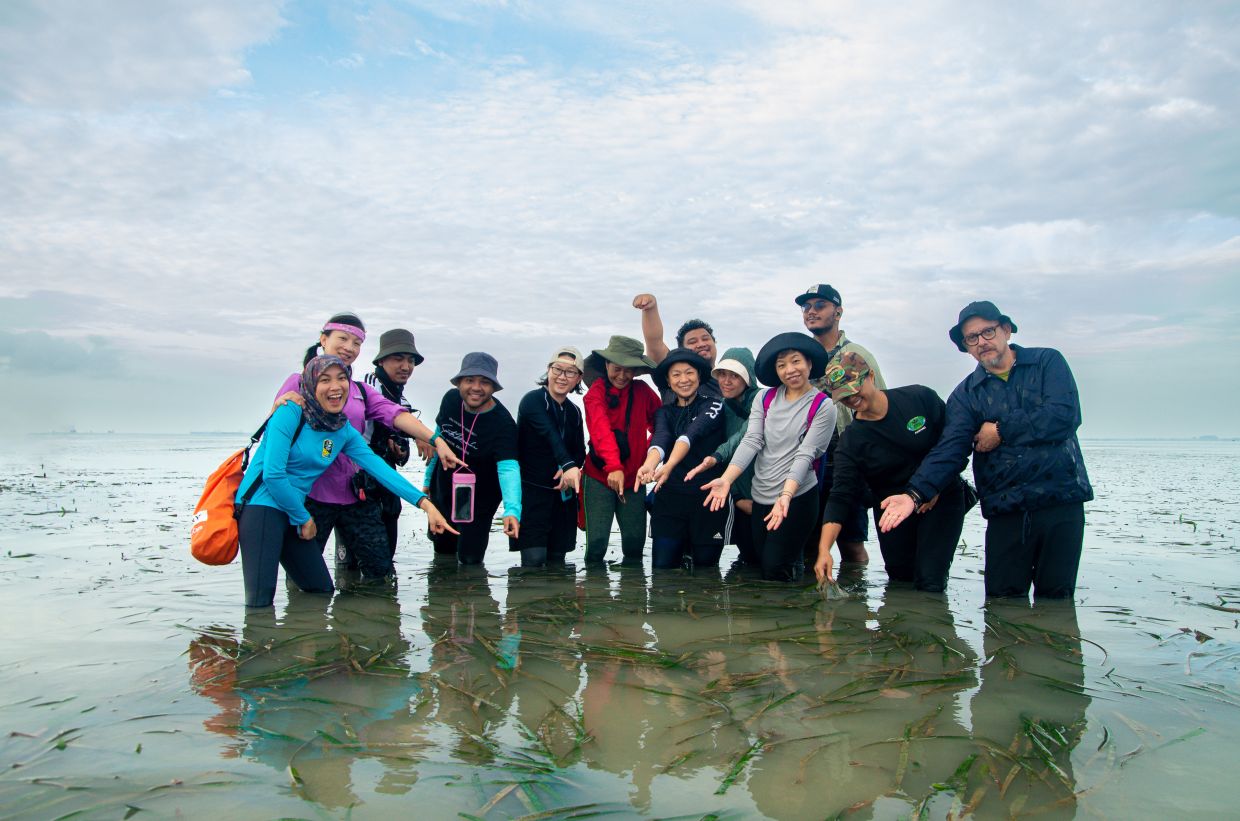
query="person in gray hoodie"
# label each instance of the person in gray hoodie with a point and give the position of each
(739, 384)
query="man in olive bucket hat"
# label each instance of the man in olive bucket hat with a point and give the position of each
(1017, 413)
(394, 364)
(619, 417)
(822, 308)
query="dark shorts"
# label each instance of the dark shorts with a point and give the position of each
(683, 516)
(547, 520)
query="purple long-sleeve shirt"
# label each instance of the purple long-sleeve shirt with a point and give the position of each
(333, 486)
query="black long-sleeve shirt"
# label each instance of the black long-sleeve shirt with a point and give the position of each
(550, 438)
(875, 459)
(701, 424)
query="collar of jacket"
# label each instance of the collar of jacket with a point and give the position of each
(980, 373)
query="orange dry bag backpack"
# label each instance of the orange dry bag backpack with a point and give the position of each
(213, 535)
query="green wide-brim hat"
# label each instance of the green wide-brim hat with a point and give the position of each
(624, 351)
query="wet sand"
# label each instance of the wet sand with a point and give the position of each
(133, 682)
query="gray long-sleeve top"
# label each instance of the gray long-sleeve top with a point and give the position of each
(779, 445)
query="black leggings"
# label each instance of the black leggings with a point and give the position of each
(1040, 547)
(921, 549)
(359, 530)
(269, 541)
(667, 552)
(780, 551)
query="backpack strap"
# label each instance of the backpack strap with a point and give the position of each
(258, 480)
(767, 399)
(813, 408)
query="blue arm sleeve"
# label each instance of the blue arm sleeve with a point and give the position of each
(356, 448)
(277, 442)
(434, 460)
(510, 486)
(951, 454)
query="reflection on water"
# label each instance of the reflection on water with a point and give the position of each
(502, 693)
(749, 689)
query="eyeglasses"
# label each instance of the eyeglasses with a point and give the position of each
(564, 373)
(815, 305)
(985, 333)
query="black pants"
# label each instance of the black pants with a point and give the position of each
(921, 549)
(1039, 547)
(360, 530)
(782, 551)
(471, 545)
(268, 542)
(742, 537)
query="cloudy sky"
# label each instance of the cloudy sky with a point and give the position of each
(188, 190)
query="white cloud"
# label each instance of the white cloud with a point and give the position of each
(915, 158)
(62, 53)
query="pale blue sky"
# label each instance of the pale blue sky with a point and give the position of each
(187, 190)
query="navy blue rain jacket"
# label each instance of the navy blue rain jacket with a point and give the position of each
(1038, 463)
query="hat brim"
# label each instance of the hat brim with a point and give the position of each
(803, 298)
(456, 380)
(677, 356)
(791, 341)
(957, 335)
(418, 358)
(596, 365)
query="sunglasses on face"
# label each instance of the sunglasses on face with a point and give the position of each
(816, 305)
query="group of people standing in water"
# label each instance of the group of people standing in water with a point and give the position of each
(786, 472)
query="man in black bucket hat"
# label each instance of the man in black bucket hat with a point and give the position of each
(1017, 413)
(478, 427)
(394, 364)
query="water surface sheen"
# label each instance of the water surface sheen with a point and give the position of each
(133, 681)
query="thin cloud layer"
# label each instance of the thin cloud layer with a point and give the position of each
(1076, 164)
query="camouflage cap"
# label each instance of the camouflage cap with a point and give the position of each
(845, 375)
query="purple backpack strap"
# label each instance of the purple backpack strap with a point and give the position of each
(814, 405)
(767, 399)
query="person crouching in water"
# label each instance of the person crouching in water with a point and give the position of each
(551, 447)
(789, 428)
(620, 417)
(481, 429)
(891, 433)
(687, 429)
(300, 443)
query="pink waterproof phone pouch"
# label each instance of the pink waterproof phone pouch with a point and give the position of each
(463, 496)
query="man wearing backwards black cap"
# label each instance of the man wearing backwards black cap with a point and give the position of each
(821, 310)
(1017, 413)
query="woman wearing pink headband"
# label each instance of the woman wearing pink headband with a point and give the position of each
(333, 502)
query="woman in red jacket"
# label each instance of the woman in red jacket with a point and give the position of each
(619, 417)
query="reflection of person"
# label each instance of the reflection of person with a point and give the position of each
(300, 443)
(822, 307)
(620, 416)
(686, 430)
(481, 429)
(789, 428)
(394, 364)
(1032, 699)
(551, 447)
(1017, 413)
(333, 501)
(892, 431)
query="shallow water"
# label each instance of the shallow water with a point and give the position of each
(132, 680)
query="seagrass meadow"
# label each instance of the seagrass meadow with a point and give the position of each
(133, 684)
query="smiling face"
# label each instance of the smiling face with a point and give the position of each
(993, 353)
(332, 389)
(562, 377)
(476, 392)
(684, 380)
(701, 343)
(398, 367)
(342, 344)
(730, 384)
(792, 368)
(619, 376)
(863, 399)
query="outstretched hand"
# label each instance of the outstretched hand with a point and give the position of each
(706, 464)
(896, 509)
(718, 492)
